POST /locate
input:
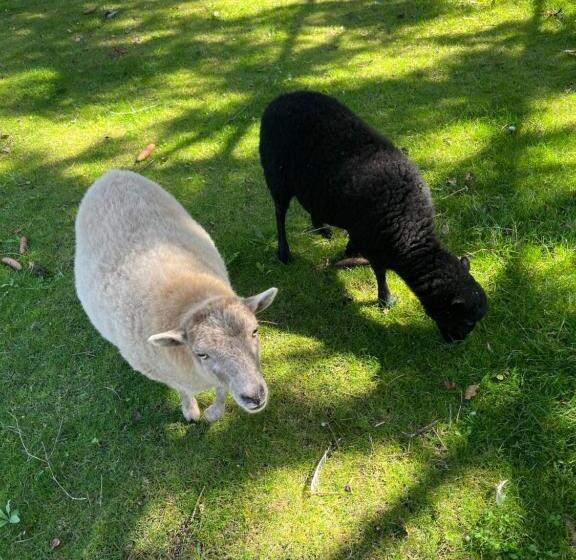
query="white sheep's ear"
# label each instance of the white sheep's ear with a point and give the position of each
(177, 337)
(261, 301)
(465, 263)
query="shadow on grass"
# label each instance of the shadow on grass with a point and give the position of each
(95, 71)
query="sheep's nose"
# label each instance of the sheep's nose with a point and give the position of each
(255, 400)
(252, 401)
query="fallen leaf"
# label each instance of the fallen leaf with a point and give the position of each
(352, 262)
(38, 269)
(146, 152)
(315, 482)
(553, 13)
(23, 245)
(89, 10)
(449, 385)
(510, 128)
(55, 543)
(470, 392)
(109, 14)
(571, 531)
(445, 229)
(452, 182)
(500, 377)
(500, 496)
(571, 52)
(12, 263)
(77, 38)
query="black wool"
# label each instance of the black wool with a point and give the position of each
(346, 174)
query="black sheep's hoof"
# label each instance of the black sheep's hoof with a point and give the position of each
(284, 256)
(388, 303)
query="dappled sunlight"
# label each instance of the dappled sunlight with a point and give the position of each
(82, 94)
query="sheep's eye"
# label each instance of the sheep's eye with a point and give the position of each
(202, 356)
(254, 333)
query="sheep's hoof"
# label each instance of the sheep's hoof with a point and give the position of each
(284, 256)
(213, 412)
(191, 411)
(388, 303)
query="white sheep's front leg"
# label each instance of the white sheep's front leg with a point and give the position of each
(190, 408)
(216, 409)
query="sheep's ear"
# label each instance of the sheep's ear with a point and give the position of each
(261, 301)
(177, 337)
(465, 263)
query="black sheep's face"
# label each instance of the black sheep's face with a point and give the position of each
(464, 309)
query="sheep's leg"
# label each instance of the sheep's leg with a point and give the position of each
(283, 249)
(216, 409)
(190, 407)
(321, 228)
(385, 298)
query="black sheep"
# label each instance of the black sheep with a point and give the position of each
(346, 174)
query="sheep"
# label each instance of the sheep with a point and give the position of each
(346, 174)
(153, 284)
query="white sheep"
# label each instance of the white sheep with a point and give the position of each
(153, 283)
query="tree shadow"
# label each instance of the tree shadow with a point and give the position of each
(312, 303)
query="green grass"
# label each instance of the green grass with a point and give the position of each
(442, 78)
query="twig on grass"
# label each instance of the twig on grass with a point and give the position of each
(315, 480)
(134, 111)
(460, 407)
(46, 459)
(197, 504)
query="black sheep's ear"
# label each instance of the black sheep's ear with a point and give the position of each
(465, 263)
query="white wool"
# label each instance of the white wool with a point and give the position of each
(141, 262)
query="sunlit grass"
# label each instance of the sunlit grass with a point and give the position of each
(80, 94)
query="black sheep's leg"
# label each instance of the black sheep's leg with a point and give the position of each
(385, 298)
(283, 249)
(321, 228)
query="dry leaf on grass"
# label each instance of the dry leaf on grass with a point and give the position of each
(352, 262)
(571, 529)
(315, 482)
(450, 385)
(55, 543)
(571, 52)
(23, 245)
(146, 152)
(89, 11)
(12, 263)
(470, 392)
(500, 496)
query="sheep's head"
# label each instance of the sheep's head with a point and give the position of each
(461, 302)
(222, 336)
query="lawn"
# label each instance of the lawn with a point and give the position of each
(482, 95)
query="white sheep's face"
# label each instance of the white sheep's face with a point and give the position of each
(222, 336)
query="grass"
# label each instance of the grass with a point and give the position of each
(80, 94)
